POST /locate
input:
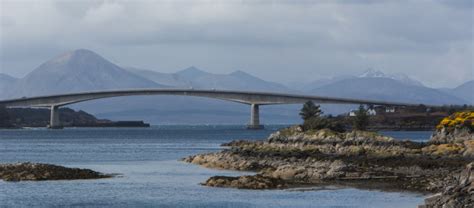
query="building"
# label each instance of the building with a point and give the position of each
(370, 112)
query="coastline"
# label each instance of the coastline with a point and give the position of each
(292, 158)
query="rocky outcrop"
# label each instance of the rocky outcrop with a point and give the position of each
(39, 172)
(246, 182)
(459, 195)
(456, 128)
(293, 157)
(456, 135)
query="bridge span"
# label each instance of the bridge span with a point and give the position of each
(253, 99)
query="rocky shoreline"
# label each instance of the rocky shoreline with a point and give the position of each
(461, 194)
(293, 157)
(39, 172)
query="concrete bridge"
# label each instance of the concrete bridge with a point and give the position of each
(253, 99)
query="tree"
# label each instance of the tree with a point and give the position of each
(310, 110)
(361, 119)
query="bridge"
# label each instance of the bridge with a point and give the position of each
(253, 99)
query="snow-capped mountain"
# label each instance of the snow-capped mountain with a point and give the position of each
(371, 73)
(382, 88)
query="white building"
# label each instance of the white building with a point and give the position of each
(390, 110)
(370, 112)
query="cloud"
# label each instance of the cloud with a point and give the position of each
(104, 13)
(266, 38)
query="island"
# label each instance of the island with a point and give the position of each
(40, 172)
(38, 117)
(320, 153)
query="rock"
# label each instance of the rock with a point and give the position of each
(285, 172)
(246, 182)
(469, 148)
(336, 169)
(38, 171)
(460, 195)
(458, 135)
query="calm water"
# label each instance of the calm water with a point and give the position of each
(152, 176)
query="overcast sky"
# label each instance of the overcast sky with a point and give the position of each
(282, 41)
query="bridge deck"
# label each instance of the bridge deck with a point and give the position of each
(247, 97)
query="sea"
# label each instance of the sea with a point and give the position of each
(150, 172)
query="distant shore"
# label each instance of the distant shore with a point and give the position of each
(16, 118)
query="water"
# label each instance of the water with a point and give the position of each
(418, 136)
(152, 176)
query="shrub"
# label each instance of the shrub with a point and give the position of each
(457, 120)
(337, 126)
(317, 123)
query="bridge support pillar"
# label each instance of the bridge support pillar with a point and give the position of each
(54, 122)
(254, 117)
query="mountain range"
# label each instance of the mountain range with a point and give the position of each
(382, 88)
(85, 70)
(193, 77)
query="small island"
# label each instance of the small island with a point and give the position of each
(40, 172)
(38, 117)
(319, 152)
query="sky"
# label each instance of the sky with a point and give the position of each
(283, 41)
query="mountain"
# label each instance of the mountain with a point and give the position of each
(6, 82)
(158, 77)
(307, 86)
(75, 71)
(403, 78)
(191, 73)
(370, 73)
(465, 91)
(7, 79)
(193, 77)
(387, 89)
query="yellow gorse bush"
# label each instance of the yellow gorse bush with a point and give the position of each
(458, 120)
